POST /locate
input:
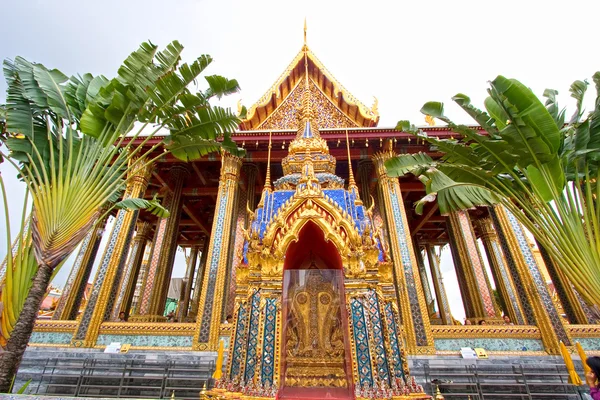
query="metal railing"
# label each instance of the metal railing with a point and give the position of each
(116, 378)
(502, 381)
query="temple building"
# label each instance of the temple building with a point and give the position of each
(330, 277)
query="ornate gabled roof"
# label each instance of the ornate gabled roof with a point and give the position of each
(337, 108)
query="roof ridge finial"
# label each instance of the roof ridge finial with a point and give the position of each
(305, 45)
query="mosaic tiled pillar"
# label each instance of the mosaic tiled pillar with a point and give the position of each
(499, 267)
(576, 310)
(199, 278)
(411, 301)
(141, 278)
(72, 295)
(476, 290)
(529, 280)
(424, 280)
(438, 286)
(103, 291)
(210, 306)
(164, 247)
(365, 170)
(375, 341)
(131, 271)
(269, 336)
(191, 271)
(237, 249)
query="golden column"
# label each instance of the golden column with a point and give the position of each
(70, 300)
(438, 285)
(411, 301)
(102, 296)
(191, 271)
(424, 280)
(132, 270)
(476, 290)
(537, 303)
(164, 247)
(210, 307)
(199, 278)
(504, 283)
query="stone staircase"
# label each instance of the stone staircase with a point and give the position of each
(137, 374)
(497, 378)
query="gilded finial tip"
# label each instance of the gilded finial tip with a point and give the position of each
(305, 32)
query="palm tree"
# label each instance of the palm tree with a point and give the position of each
(543, 170)
(74, 141)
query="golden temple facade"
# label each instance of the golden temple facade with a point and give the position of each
(331, 279)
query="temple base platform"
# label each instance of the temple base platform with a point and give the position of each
(298, 393)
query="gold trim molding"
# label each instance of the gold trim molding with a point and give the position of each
(486, 331)
(147, 328)
(583, 331)
(55, 326)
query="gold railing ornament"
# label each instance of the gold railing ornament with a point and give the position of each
(219, 368)
(583, 357)
(438, 394)
(203, 394)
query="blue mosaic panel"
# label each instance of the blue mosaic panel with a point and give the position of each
(538, 280)
(378, 343)
(238, 341)
(512, 267)
(509, 288)
(395, 357)
(73, 275)
(51, 338)
(213, 265)
(146, 340)
(338, 196)
(361, 341)
(128, 270)
(119, 273)
(117, 231)
(489, 344)
(405, 259)
(589, 344)
(268, 352)
(252, 343)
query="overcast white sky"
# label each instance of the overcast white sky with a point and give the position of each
(404, 53)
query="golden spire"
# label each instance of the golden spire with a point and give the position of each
(267, 187)
(351, 182)
(268, 175)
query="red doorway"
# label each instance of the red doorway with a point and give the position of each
(315, 330)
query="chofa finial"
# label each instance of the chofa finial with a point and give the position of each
(305, 32)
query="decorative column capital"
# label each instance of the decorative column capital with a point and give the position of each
(139, 174)
(379, 160)
(230, 167)
(485, 226)
(142, 231)
(179, 171)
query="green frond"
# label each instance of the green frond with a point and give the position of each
(152, 206)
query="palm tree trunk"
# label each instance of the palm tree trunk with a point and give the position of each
(11, 358)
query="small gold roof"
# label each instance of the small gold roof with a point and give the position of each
(336, 107)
